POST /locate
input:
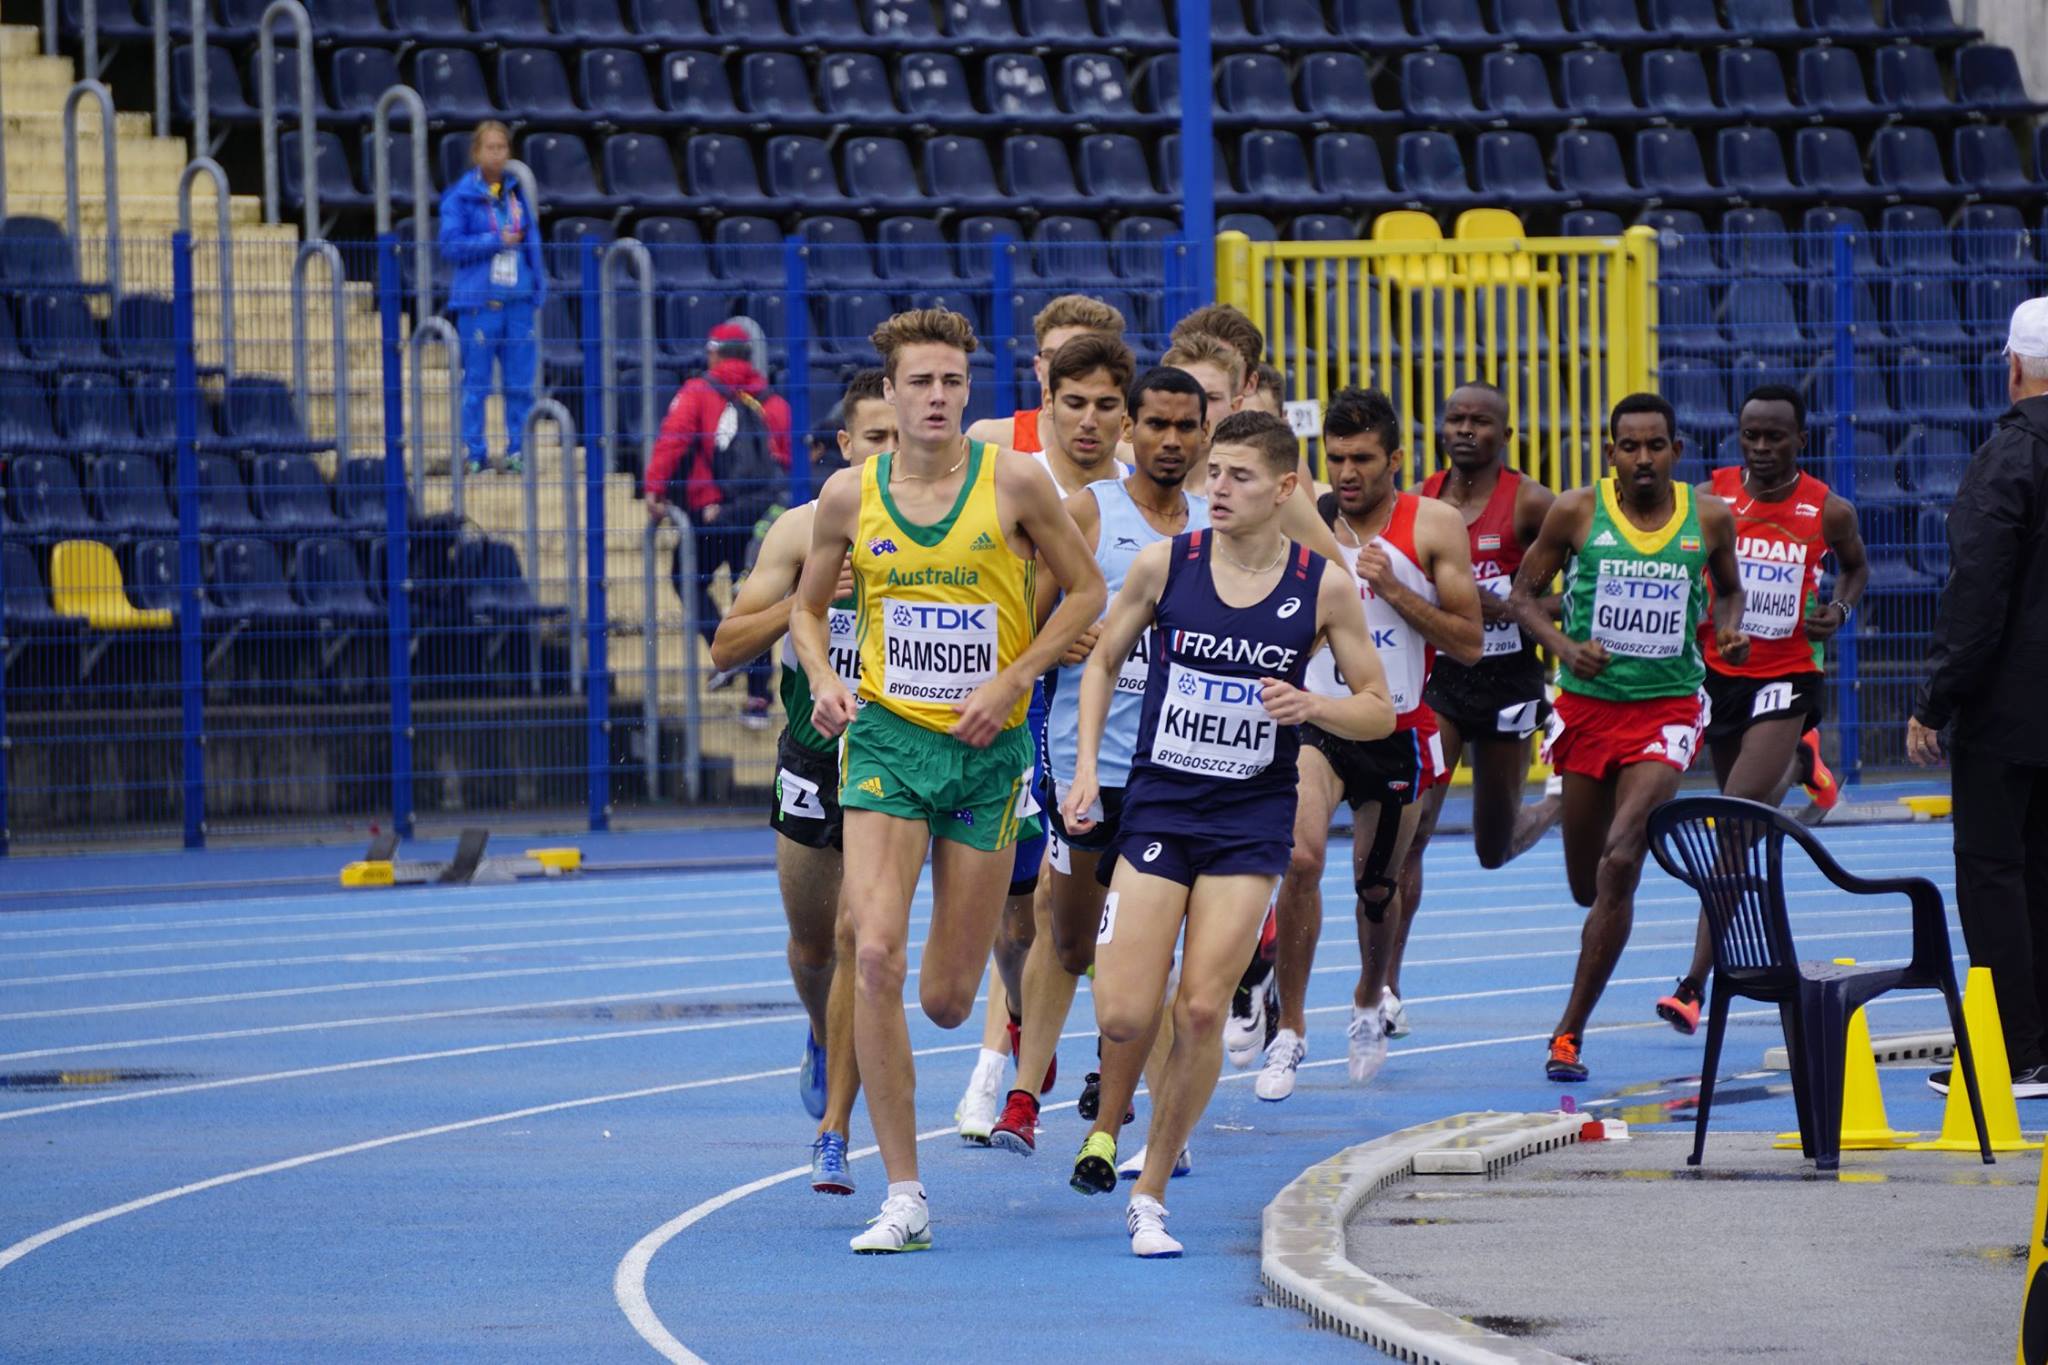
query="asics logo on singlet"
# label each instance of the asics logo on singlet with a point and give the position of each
(983, 542)
(1605, 541)
(1763, 547)
(1289, 607)
(1152, 850)
(881, 545)
(1208, 648)
(939, 616)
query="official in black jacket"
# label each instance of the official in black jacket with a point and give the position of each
(1987, 686)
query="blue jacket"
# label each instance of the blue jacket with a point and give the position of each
(469, 238)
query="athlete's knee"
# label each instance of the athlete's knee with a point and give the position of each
(812, 952)
(1121, 1021)
(1199, 1014)
(1305, 863)
(881, 967)
(945, 1005)
(1623, 855)
(1073, 944)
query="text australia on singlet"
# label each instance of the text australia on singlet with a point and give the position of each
(936, 651)
(1639, 607)
(1773, 584)
(1213, 724)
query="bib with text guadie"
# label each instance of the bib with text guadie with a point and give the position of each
(1642, 596)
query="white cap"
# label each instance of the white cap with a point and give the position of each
(2029, 334)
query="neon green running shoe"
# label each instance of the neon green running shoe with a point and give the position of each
(1095, 1167)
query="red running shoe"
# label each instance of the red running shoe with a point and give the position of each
(1681, 1010)
(1816, 776)
(1564, 1064)
(1017, 1130)
(1052, 1068)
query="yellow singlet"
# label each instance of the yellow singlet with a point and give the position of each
(942, 608)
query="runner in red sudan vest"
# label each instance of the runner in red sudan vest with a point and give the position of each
(1764, 734)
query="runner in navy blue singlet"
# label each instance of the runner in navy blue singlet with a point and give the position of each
(1207, 826)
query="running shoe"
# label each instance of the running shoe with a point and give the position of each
(1283, 1056)
(1052, 1068)
(1681, 1008)
(513, 464)
(1146, 1218)
(1368, 1035)
(473, 466)
(1814, 773)
(1393, 1014)
(1135, 1167)
(2031, 1084)
(1090, 1103)
(1564, 1065)
(1244, 1033)
(828, 1165)
(1017, 1130)
(904, 1224)
(810, 1077)
(976, 1113)
(1095, 1168)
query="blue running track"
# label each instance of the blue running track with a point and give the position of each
(559, 1121)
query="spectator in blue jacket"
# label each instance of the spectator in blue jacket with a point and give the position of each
(489, 235)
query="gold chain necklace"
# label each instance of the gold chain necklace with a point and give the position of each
(1246, 568)
(897, 474)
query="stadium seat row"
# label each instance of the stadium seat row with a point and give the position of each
(102, 411)
(124, 495)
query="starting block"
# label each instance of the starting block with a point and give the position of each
(469, 866)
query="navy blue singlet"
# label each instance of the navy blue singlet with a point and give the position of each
(1209, 760)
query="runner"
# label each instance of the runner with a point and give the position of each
(805, 816)
(1629, 716)
(1229, 325)
(1266, 392)
(945, 534)
(1210, 796)
(1085, 380)
(1117, 517)
(1215, 366)
(1414, 586)
(1059, 322)
(1486, 711)
(1764, 734)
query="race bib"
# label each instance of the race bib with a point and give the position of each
(1639, 618)
(1130, 679)
(1771, 698)
(1502, 636)
(505, 269)
(1772, 593)
(1214, 726)
(798, 796)
(937, 652)
(844, 625)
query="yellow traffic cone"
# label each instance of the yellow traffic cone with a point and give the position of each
(1864, 1125)
(1994, 1079)
(2034, 1306)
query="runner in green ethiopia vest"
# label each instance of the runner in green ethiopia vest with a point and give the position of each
(1630, 710)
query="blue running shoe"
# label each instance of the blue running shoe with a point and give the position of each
(810, 1077)
(828, 1165)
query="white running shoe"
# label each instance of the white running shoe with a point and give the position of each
(1368, 1044)
(1283, 1055)
(1146, 1218)
(1393, 1015)
(904, 1224)
(979, 1106)
(1553, 785)
(1244, 1032)
(1135, 1166)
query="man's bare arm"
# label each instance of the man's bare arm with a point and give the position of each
(760, 611)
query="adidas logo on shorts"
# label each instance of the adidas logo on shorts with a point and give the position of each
(871, 785)
(984, 541)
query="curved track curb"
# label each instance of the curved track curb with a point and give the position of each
(1301, 1242)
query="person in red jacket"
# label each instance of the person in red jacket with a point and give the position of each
(723, 456)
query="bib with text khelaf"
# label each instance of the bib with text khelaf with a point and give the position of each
(843, 623)
(1642, 595)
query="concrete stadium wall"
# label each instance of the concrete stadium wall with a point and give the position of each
(2021, 25)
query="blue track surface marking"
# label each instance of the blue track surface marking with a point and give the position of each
(557, 1121)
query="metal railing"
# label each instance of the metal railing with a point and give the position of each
(422, 188)
(630, 252)
(309, 103)
(110, 175)
(650, 661)
(436, 331)
(337, 294)
(549, 410)
(208, 167)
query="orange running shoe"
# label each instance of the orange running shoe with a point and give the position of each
(1564, 1065)
(1681, 1008)
(1816, 776)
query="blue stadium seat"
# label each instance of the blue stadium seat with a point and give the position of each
(285, 62)
(1290, 21)
(257, 414)
(1452, 24)
(1510, 167)
(25, 607)
(417, 21)
(153, 397)
(1699, 391)
(338, 188)
(1987, 161)
(223, 498)
(1273, 170)
(1755, 242)
(1113, 170)
(1924, 313)
(1988, 81)
(144, 335)
(756, 23)
(1374, 25)
(1256, 226)
(451, 81)
(152, 574)
(1753, 84)
(1669, 165)
(1515, 87)
(1018, 88)
(400, 150)
(1927, 20)
(290, 494)
(1063, 23)
(827, 22)
(1686, 319)
(1074, 249)
(499, 593)
(958, 171)
(1989, 305)
(58, 329)
(801, 174)
(533, 81)
(1934, 387)
(639, 169)
(1434, 89)
(1766, 21)
(1908, 162)
(1872, 407)
(1994, 238)
(1429, 166)
(776, 86)
(1138, 24)
(914, 249)
(1337, 87)
(718, 168)
(1761, 314)
(358, 75)
(25, 416)
(935, 90)
(687, 317)
(128, 494)
(1831, 84)
(328, 582)
(1684, 246)
(450, 159)
(1675, 86)
(1138, 245)
(1817, 229)
(1694, 22)
(676, 249)
(1913, 236)
(36, 253)
(12, 358)
(1036, 169)
(92, 412)
(614, 80)
(563, 252)
(509, 22)
(1227, 25)
(1909, 80)
(979, 22)
(696, 90)
(839, 251)
(1591, 223)
(1322, 227)
(902, 24)
(1828, 162)
(980, 236)
(1845, 20)
(1158, 85)
(561, 163)
(1532, 24)
(880, 174)
(1167, 154)
(226, 102)
(588, 23)
(46, 499)
(1611, 23)
(247, 586)
(1753, 165)
(1348, 168)
(854, 87)
(359, 495)
(1589, 168)
(1255, 88)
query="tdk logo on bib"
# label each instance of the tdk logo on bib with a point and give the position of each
(940, 616)
(1213, 726)
(937, 652)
